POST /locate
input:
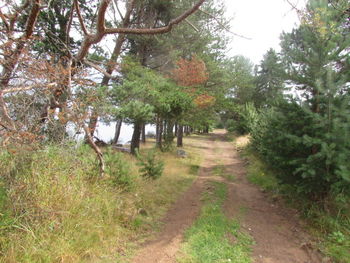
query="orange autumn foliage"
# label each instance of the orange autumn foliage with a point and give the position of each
(190, 72)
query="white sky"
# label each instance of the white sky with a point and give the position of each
(261, 20)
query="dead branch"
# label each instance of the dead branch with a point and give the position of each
(192, 25)
(69, 24)
(13, 60)
(19, 89)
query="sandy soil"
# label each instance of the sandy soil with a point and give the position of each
(276, 230)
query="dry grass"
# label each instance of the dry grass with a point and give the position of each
(55, 209)
(242, 141)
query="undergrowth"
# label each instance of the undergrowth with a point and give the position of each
(213, 237)
(328, 219)
(54, 207)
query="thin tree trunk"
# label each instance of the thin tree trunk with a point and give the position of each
(169, 132)
(164, 130)
(118, 127)
(105, 80)
(180, 134)
(159, 132)
(135, 140)
(143, 133)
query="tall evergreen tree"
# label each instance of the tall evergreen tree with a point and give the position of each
(269, 80)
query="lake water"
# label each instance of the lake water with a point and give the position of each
(106, 132)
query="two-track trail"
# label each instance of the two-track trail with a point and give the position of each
(275, 229)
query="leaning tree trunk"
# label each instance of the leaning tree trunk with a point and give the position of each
(180, 133)
(118, 127)
(135, 140)
(97, 150)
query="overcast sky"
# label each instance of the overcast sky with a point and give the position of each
(263, 22)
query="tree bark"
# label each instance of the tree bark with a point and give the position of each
(159, 132)
(164, 130)
(170, 131)
(143, 133)
(118, 127)
(135, 140)
(180, 134)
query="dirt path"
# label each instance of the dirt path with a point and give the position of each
(276, 230)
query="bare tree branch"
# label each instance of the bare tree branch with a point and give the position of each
(3, 18)
(26, 88)
(102, 31)
(116, 5)
(32, 18)
(101, 70)
(158, 30)
(18, 11)
(81, 20)
(11, 63)
(222, 25)
(192, 25)
(4, 113)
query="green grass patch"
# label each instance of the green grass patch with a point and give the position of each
(194, 168)
(214, 237)
(219, 170)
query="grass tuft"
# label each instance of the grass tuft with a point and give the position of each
(214, 237)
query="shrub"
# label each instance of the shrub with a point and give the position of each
(245, 119)
(308, 149)
(231, 125)
(118, 170)
(150, 165)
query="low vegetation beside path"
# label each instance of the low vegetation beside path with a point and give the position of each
(55, 208)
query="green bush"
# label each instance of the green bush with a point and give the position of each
(150, 165)
(309, 149)
(245, 119)
(231, 125)
(118, 169)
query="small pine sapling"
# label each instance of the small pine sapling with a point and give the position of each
(150, 165)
